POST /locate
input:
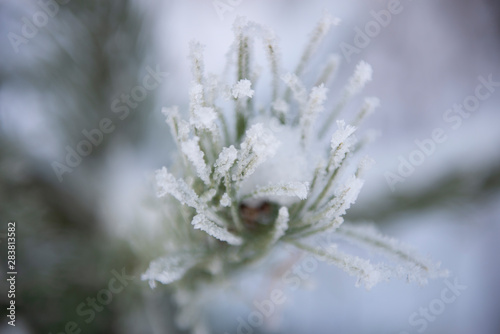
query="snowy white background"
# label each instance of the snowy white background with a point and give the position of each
(424, 61)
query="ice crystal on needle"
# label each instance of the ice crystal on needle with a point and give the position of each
(253, 177)
(242, 89)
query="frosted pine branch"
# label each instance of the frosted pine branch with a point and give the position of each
(369, 106)
(330, 70)
(367, 274)
(292, 189)
(314, 106)
(225, 161)
(357, 82)
(251, 179)
(362, 75)
(317, 36)
(345, 195)
(168, 269)
(178, 127)
(281, 224)
(259, 144)
(297, 87)
(167, 184)
(365, 164)
(191, 149)
(340, 144)
(196, 56)
(412, 266)
(201, 222)
(196, 99)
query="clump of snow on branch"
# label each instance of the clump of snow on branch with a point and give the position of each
(204, 119)
(225, 200)
(242, 89)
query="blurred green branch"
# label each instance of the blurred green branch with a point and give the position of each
(457, 189)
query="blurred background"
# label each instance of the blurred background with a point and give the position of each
(67, 69)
